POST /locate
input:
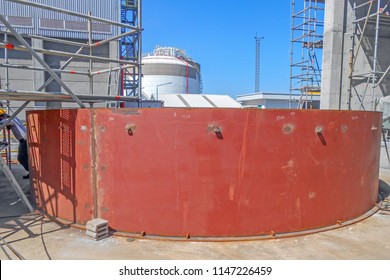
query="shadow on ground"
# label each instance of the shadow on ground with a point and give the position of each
(383, 190)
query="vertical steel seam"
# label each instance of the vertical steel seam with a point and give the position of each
(94, 163)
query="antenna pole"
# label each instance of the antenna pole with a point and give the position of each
(257, 64)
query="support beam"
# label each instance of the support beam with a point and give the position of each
(25, 95)
(68, 54)
(25, 67)
(48, 39)
(97, 44)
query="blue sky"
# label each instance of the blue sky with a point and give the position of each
(220, 36)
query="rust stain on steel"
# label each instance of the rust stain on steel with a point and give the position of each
(130, 128)
(177, 178)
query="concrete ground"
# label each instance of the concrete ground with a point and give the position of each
(34, 237)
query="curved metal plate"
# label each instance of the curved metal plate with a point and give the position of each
(207, 172)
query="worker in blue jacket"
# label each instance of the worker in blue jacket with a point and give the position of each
(19, 131)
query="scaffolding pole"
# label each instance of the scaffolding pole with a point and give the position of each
(25, 67)
(307, 23)
(48, 39)
(65, 54)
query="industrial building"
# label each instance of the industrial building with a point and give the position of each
(273, 100)
(196, 167)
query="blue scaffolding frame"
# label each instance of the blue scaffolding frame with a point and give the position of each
(130, 47)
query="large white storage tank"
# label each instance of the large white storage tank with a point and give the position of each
(168, 70)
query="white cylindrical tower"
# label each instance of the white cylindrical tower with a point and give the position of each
(169, 70)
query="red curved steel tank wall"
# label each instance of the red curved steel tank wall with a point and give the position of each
(205, 172)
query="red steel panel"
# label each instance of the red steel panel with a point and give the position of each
(213, 172)
(61, 163)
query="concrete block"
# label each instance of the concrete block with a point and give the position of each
(97, 235)
(97, 229)
(96, 224)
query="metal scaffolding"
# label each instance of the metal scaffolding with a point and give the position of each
(131, 47)
(129, 63)
(370, 16)
(307, 24)
(7, 93)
